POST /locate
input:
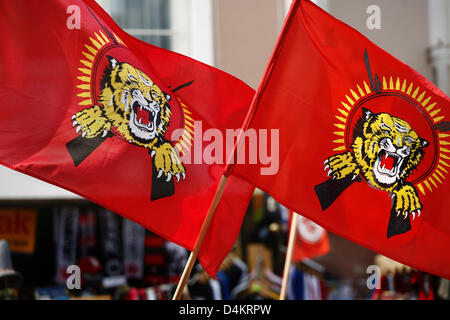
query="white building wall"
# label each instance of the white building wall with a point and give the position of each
(439, 34)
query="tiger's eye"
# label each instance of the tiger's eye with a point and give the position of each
(409, 140)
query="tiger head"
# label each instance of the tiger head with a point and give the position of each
(386, 148)
(135, 105)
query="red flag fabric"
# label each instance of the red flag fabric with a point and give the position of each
(364, 140)
(111, 118)
(311, 240)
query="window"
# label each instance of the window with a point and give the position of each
(324, 4)
(184, 26)
(148, 20)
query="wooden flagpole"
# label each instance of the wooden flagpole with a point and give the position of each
(230, 163)
(289, 251)
(215, 202)
(190, 264)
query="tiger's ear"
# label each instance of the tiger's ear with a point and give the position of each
(113, 63)
(167, 96)
(424, 143)
(367, 114)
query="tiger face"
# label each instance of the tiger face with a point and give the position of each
(386, 149)
(134, 104)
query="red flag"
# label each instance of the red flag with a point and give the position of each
(364, 140)
(311, 240)
(111, 118)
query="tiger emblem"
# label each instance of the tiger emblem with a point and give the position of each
(131, 104)
(385, 151)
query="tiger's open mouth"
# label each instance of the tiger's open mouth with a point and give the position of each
(142, 123)
(144, 117)
(387, 167)
(388, 162)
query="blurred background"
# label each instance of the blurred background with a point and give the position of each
(48, 228)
